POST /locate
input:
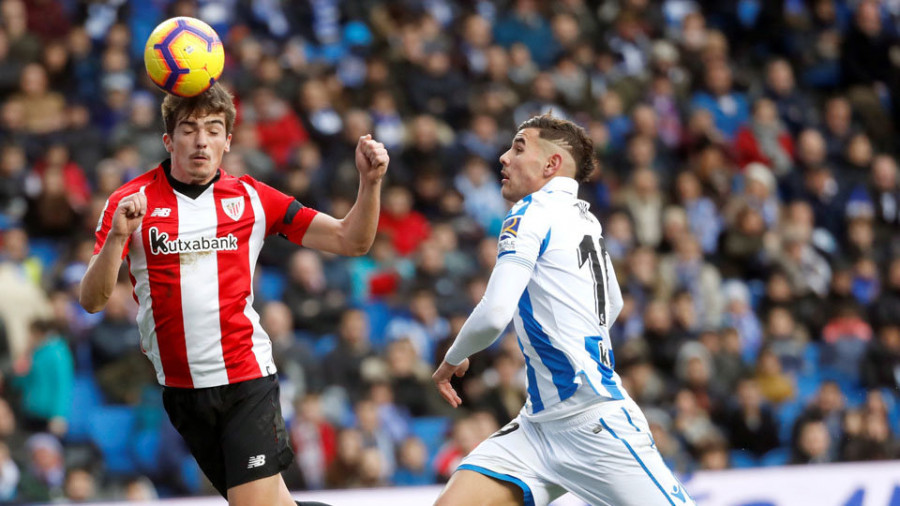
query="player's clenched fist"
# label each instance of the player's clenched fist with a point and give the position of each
(128, 215)
(371, 158)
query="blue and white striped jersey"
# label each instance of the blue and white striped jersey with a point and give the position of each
(563, 317)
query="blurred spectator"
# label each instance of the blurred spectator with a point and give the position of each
(881, 362)
(865, 69)
(828, 407)
(45, 375)
(374, 436)
(481, 192)
(794, 107)
(9, 474)
(845, 338)
(314, 441)
(786, 339)
(702, 214)
(343, 366)
(344, 470)
(298, 371)
(122, 371)
(465, 437)
(423, 326)
(814, 445)
(412, 464)
(80, 485)
(739, 315)
(838, 127)
(140, 489)
(525, 24)
(409, 376)
(765, 140)
(406, 227)
(277, 126)
(775, 386)
(686, 269)
(728, 107)
(751, 425)
(880, 198)
(645, 202)
(44, 474)
(506, 389)
(314, 303)
(44, 109)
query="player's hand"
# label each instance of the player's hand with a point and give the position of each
(442, 377)
(128, 215)
(371, 159)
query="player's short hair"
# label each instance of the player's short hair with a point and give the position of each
(576, 141)
(212, 101)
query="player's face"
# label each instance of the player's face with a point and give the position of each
(523, 166)
(197, 146)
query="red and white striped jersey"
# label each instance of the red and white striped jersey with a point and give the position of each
(191, 263)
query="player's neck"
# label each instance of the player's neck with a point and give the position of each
(192, 190)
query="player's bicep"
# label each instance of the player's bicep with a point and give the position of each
(325, 233)
(616, 301)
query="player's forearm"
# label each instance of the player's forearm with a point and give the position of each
(493, 313)
(361, 223)
(101, 275)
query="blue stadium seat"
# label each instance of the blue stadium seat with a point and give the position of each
(432, 430)
(270, 283)
(112, 430)
(324, 345)
(145, 450)
(742, 459)
(86, 398)
(379, 315)
(807, 386)
(776, 457)
(786, 415)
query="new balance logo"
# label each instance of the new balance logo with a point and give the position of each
(257, 461)
(162, 212)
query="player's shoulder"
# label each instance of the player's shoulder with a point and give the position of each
(530, 204)
(135, 184)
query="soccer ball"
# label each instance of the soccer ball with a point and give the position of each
(184, 56)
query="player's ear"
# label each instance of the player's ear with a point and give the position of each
(228, 143)
(167, 142)
(554, 164)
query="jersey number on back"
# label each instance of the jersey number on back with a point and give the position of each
(587, 251)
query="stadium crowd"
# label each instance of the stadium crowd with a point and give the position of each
(749, 196)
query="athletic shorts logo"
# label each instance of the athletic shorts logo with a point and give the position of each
(162, 212)
(161, 245)
(234, 207)
(257, 461)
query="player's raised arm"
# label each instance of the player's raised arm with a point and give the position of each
(100, 278)
(353, 235)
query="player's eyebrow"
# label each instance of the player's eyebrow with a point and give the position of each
(195, 123)
(519, 140)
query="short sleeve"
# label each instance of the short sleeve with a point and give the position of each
(284, 214)
(524, 235)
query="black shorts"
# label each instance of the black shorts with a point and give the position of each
(236, 432)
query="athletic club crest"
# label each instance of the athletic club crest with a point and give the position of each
(234, 208)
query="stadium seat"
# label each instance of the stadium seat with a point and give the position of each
(379, 315)
(145, 450)
(786, 415)
(776, 457)
(112, 430)
(741, 459)
(86, 398)
(807, 386)
(270, 284)
(432, 430)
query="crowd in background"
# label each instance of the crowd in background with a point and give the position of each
(749, 196)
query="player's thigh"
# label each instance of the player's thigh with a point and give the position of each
(614, 460)
(262, 492)
(469, 487)
(254, 440)
(193, 414)
(514, 457)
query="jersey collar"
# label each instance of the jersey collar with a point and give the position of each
(561, 184)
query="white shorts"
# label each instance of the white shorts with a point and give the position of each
(603, 456)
